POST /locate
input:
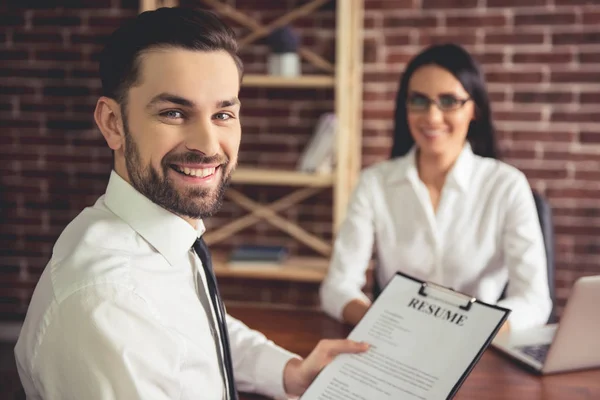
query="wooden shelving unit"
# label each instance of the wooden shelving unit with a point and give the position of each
(306, 81)
(299, 269)
(345, 79)
(262, 176)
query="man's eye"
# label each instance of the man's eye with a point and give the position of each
(223, 116)
(172, 114)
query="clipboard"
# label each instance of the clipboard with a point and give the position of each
(463, 302)
(404, 304)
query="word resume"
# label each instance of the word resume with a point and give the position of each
(424, 342)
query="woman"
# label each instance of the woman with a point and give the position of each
(443, 208)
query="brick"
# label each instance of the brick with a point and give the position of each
(69, 125)
(53, 73)
(398, 57)
(550, 136)
(397, 39)
(589, 58)
(7, 20)
(518, 116)
(370, 47)
(564, 155)
(545, 173)
(378, 114)
(514, 38)
(58, 55)
(593, 176)
(400, 21)
(371, 22)
(18, 123)
(497, 96)
(56, 21)
(111, 22)
(43, 107)
(388, 4)
(575, 77)
(574, 2)
(555, 57)
(589, 98)
(476, 21)
(37, 38)
(577, 230)
(543, 97)
(13, 55)
(516, 154)
(65, 91)
(545, 19)
(575, 116)
(429, 4)
(440, 38)
(85, 4)
(89, 38)
(590, 17)
(515, 3)
(85, 73)
(589, 137)
(514, 77)
(488, 57)
(381, 77)
(5, 89)
(576, 38)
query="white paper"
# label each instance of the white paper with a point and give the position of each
(413, 354)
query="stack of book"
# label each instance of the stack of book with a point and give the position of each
(254, 255)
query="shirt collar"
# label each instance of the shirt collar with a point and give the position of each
(458, 176)
(168, 233)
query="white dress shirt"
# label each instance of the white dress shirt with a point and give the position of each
(116, 314)
(485, 232)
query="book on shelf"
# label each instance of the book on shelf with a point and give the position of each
(319, 155)
(255, 255)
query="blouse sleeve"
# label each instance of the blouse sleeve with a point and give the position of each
(351, 253)
(528, 295)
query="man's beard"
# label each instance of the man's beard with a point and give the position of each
(194, 203)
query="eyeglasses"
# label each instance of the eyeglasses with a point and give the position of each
(445, 102)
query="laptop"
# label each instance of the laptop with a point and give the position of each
(572, 344)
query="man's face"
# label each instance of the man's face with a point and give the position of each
(182, 128)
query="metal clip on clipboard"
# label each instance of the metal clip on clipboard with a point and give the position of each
(469, 300)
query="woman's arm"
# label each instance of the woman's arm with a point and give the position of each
(341, 292)
(528, 295)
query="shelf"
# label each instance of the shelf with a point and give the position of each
(258, 176)
(299, 269)
(303, 81)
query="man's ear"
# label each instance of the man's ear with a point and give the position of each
(109, 119)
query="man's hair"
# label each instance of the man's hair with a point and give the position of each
(184, 28)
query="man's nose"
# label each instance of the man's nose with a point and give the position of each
(202, 137)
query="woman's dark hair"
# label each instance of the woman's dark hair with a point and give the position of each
(457, 61)
(184, 28)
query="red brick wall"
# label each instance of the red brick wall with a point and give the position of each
(541, 57)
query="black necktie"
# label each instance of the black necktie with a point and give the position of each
(219, 311)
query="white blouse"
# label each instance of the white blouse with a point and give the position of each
(485, 232)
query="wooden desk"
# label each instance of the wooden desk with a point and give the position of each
(494, 378)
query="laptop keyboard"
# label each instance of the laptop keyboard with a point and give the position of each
(538, 352)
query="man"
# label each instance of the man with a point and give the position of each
(127, 307)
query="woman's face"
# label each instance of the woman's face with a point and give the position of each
(439, 111)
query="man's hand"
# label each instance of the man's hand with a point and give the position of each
(298, 374)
